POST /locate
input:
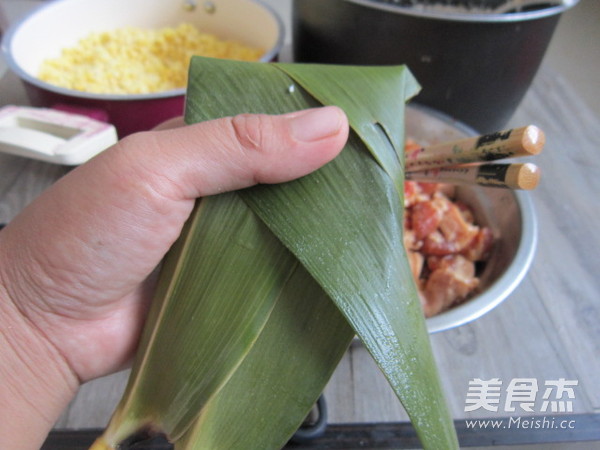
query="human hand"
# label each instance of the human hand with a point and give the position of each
(76, 265)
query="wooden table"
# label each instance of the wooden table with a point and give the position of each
(548, 329)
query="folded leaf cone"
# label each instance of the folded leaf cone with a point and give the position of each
(337, 232)
(201, 323)
(280, 379)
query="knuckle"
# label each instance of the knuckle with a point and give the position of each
(255, 132)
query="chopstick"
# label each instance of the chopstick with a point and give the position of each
(513, 176)
(524, 141)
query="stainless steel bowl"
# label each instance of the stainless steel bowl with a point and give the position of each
(508, 213)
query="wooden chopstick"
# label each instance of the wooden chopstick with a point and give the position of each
(524, 141)
(513, 176)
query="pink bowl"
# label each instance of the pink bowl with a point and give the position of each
(59, 24)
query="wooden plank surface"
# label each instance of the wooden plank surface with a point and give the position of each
(549, 328)
(566, 272)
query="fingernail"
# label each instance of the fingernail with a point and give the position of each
(315, 124)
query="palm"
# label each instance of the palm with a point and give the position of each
(93, 251)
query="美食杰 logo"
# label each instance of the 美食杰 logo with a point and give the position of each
(520, 395)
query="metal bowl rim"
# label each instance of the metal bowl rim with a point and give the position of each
(469, 17)
(506, 283)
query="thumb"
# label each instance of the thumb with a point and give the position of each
(237, 152)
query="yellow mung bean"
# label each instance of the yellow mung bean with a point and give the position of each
(137, 61)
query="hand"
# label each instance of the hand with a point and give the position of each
(76, 265)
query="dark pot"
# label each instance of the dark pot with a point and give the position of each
(474, 67)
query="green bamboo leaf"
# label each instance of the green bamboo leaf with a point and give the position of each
(217, 288)
(348, 88)
(271, 392)
(343, 222)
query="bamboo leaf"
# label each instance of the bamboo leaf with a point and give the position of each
(343, 222)
(218, 286)
(231, 296)
(274, 388)
(349, 88)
